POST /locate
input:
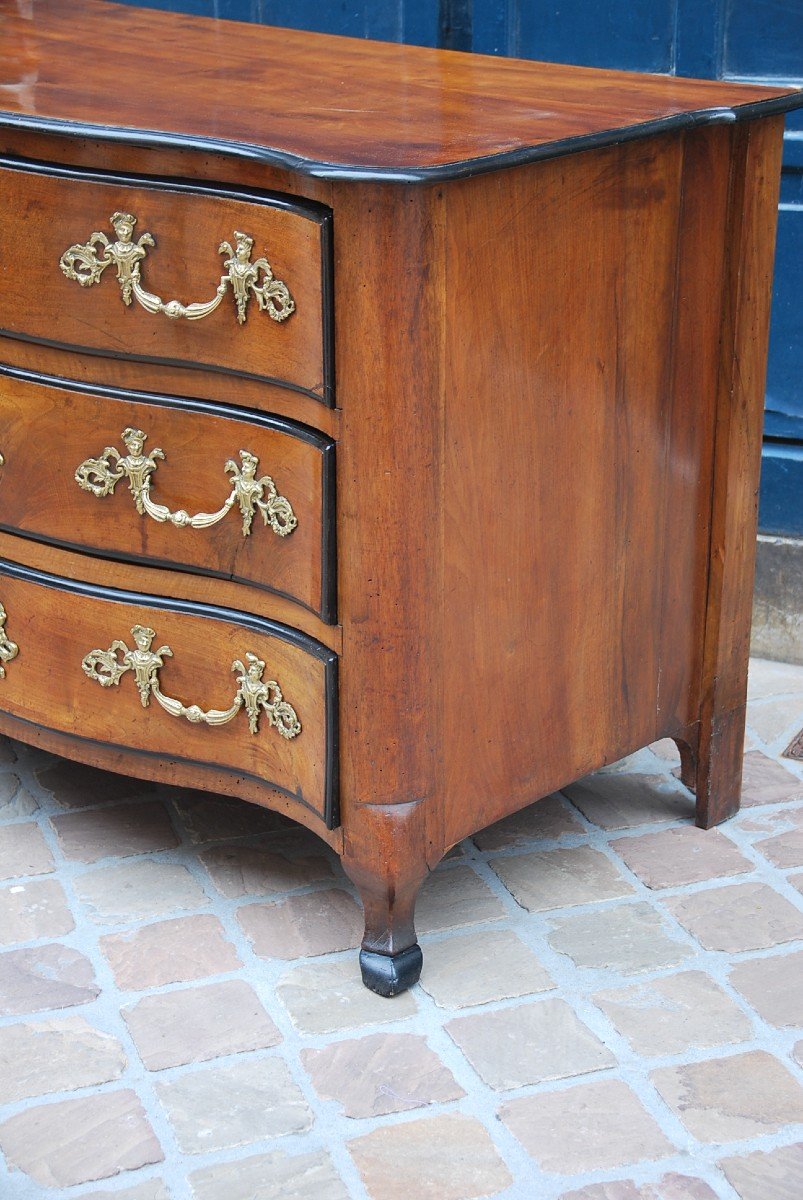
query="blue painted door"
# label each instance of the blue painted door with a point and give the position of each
(415, 21)
(755, 40)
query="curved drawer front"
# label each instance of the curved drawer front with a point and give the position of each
(183, 681)
(168, 272)
(170, 481)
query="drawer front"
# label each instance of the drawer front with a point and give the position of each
(187, 682)
(244, 496)
(168, 272)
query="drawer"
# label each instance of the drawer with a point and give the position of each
(187, 682)
(206, 277)
(223, 492)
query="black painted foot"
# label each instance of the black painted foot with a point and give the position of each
(390, 974)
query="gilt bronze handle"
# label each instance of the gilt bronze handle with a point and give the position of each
(101, 475)
(85, 262)
(8, 649)
(255, 694)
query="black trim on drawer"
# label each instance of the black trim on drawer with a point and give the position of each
(309, 209)
(329, 536)
(328, 307)
(305, 433)
(257, 624)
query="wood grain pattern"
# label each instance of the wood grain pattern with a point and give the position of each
(163, 581)
(747, 294)
(68, 426)
(549, 390)
(170, 162)
(168, 770)
(390, 533)
(55, 626)
(330, 105)
(51, 210)
(171, 381)
(683, 545)
(578, 497)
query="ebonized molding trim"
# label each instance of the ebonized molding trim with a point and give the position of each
(251, 621)
(460, 169)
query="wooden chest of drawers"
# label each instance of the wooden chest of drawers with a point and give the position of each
(380, 426)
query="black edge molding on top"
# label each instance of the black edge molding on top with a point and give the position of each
(441, 172)
(305, 433)
(310, 210)
(250, 621)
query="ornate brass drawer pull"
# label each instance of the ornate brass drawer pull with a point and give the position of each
(84, 263)
(8, 649)
(100, 477)
(107, 668)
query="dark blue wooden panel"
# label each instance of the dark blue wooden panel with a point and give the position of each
(414, 21)
(781, 502)
(785, 372)
(635, 35)
(201, 8)
(698, 42)
(455, 24)
(763, 39)
(493, 27)
(781, 507)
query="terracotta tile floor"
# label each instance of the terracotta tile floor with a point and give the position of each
(611, 1006)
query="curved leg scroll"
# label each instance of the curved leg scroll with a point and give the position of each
(390, 957)
(688, 763)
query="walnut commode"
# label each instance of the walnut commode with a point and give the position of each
(546, 293)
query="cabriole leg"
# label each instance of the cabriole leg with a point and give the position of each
(688, 760)
(390, 957)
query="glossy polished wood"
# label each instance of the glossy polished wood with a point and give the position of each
(333, 106)
(53, 208)
(164, 581)
(550, 590)
(595, 442)
(69, 425)
(127, 375)
(56, 623)
(747, 290)
(549, 394)
(622, 424)
(201, 776)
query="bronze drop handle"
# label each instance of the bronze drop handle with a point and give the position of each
(255, 694)
(85, 262)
